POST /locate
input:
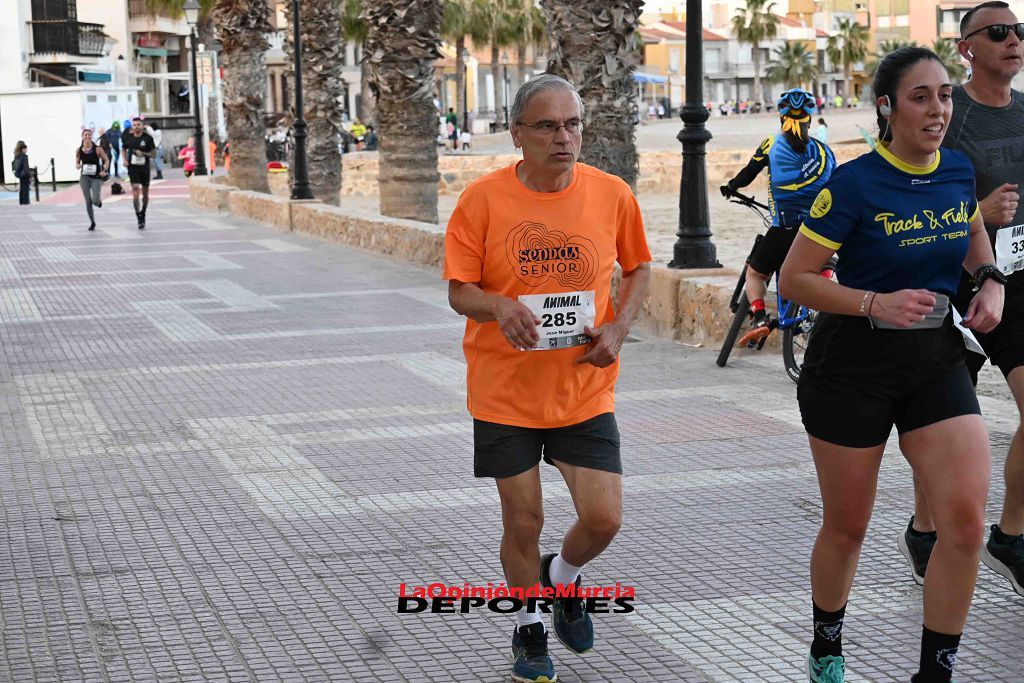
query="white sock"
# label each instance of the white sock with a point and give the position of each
(525, 616)
(562, 572)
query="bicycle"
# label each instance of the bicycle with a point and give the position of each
(795, 321)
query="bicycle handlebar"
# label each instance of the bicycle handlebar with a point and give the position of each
(740, 198)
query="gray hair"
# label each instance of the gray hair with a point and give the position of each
(535, 85)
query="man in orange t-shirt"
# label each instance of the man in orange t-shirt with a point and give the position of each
(529, 255)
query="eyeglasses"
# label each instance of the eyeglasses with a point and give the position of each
(549, 128)
(997, 33)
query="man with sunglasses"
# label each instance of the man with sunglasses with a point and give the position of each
(798, 167)
(530, 252)
(988, 125)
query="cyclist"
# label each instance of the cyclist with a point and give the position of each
(798, 167)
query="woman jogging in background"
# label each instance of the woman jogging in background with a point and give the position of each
(93, 163)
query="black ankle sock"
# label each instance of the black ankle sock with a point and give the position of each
(938, 656)
(999, 537)
(828, 632)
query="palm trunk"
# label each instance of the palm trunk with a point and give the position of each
(401, 48)
(323, 87)
(758, 95)
(460, 80)
(367, 100)
(583, 38)
(242, 26)
(520, 68)
(497, 77)
(849, 82)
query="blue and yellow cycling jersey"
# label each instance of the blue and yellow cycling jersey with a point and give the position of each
(794, 178)
(894, 225)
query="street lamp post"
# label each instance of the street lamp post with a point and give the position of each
(192, 17)
(693, 247)
(465, 89)
(300, 175)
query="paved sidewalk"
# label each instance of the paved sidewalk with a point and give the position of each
(224, 447)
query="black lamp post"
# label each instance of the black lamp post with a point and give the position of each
(465, 89)
(300, 176)
(693, 247)
(192, 17)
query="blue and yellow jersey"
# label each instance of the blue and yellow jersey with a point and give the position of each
(794, 178)
(894, 225)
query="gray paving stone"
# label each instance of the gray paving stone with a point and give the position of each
(222, 448)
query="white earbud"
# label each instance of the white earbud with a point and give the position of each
(970, 55)
(885, 109)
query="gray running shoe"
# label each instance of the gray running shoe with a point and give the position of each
(1006, 559)
(917, 548)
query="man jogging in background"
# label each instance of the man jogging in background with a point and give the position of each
(139, 148)
(988, 125)
(529, 256)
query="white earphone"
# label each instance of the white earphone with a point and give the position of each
(885, 109)
(970, 55)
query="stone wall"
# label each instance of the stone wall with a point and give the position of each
(659, 171)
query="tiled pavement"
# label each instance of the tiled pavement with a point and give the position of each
(224, 447)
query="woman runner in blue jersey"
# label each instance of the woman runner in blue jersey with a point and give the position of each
(904, 220)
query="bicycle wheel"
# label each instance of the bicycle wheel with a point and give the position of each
(734, 330)
(794, 343)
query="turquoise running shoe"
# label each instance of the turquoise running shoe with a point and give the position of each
(530, 660)
(569, 619)
(827, 669)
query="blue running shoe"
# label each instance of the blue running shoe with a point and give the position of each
(569, 620)
(530, 660)
(827, 669)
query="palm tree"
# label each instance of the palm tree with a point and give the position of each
(500, 16)
(884, 48)
(462, 19)
(242, 27)
(847, 46)
(593, 46)
(354, 28)
(402, 44)
(530, 31)
(323, 89)
(793, 64)
(754, 24)
(945, 48)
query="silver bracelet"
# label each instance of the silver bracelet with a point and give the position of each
(864, 303)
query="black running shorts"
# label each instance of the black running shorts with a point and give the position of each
(772, 249)
(857, 381)
(504, 451)
(1005, 344)
(139, 175)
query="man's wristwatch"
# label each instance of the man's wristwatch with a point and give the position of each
(988, 271)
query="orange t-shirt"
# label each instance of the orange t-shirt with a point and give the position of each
(513, 241)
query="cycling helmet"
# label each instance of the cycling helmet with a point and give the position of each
(797, 103)
(796, 107)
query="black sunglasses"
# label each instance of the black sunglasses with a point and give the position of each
(997, 33)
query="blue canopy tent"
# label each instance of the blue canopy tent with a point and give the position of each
(643, 79)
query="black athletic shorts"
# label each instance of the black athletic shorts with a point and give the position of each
(858, 381)
(772, 249)
(504, 451)
(1005, 344)
(139, 175)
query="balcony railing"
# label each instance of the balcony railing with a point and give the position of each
(67, 37)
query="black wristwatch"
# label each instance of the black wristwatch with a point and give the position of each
(988, 271)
